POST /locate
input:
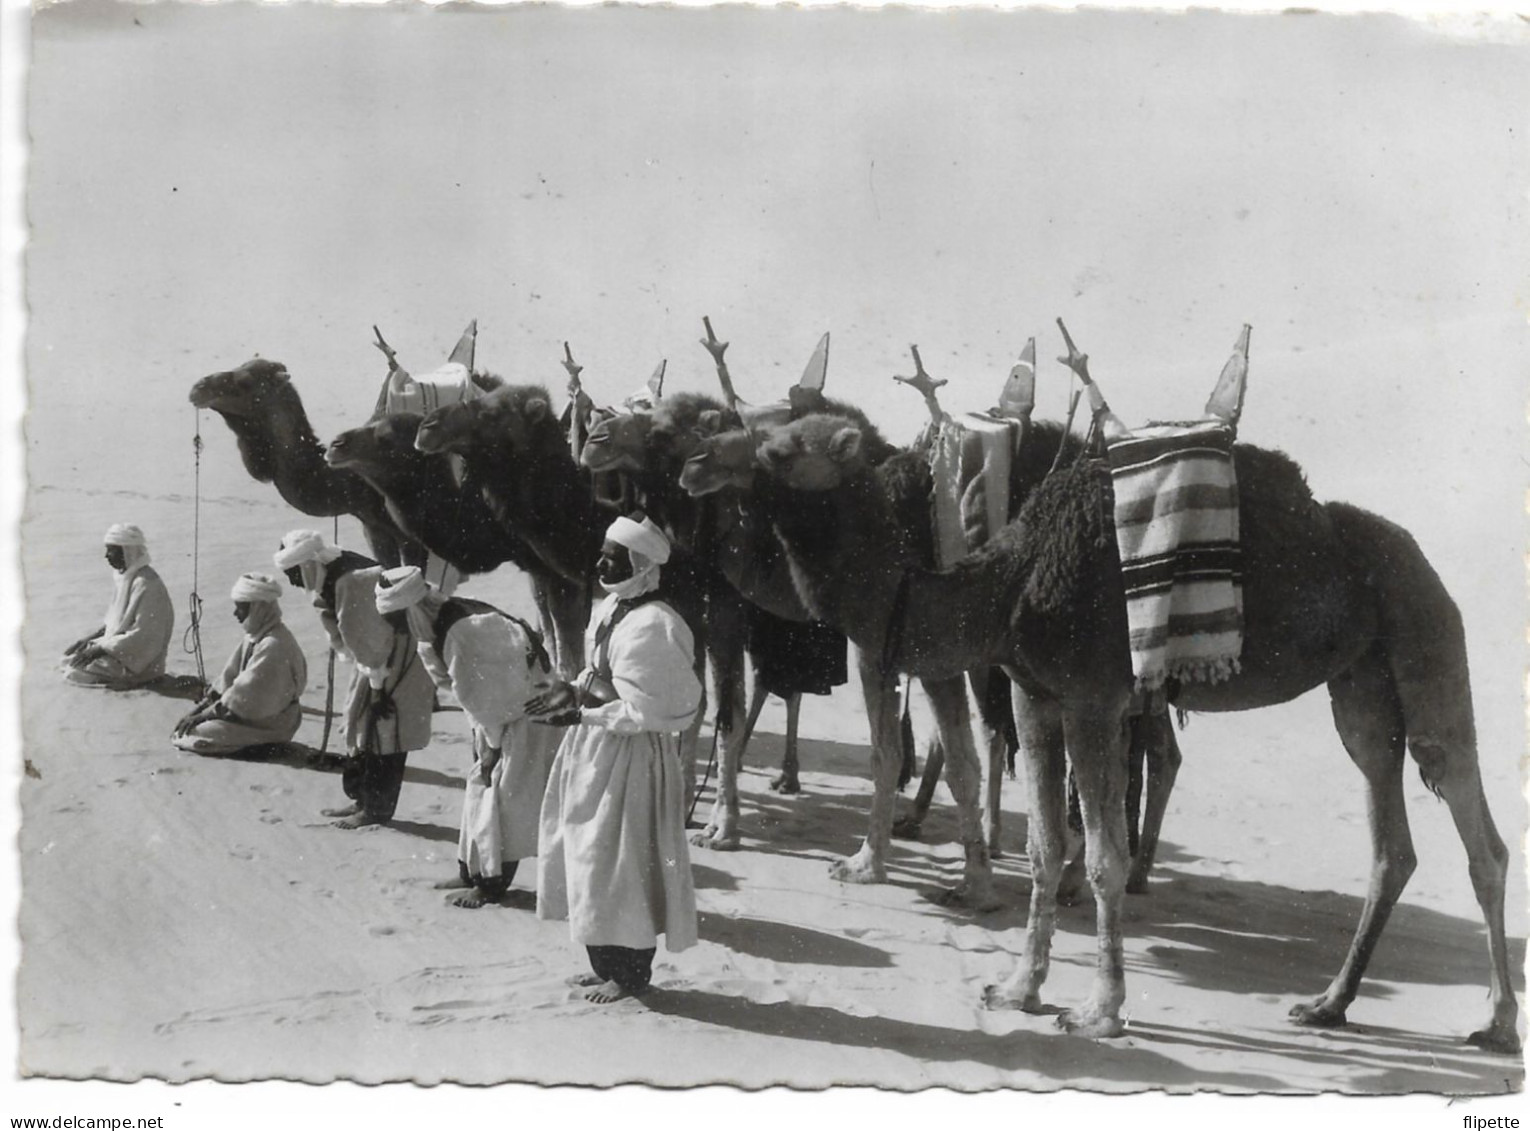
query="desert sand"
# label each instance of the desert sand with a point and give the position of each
(205, 185)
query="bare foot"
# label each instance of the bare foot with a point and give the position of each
(342, 810)
(453, 884)
(471, 899)
(359, 821)
(607, 992)
(586, 980)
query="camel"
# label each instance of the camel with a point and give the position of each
(423, 497)
(278, 445)
(1332, 594)
(514, 449)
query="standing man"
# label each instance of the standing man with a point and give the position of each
(390, 699)
(613, 859)
(254, 705)
(492, 662)
(129, 648)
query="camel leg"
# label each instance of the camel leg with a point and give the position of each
(1369, 718)
(869, 864)
(1163, 758)
(1038, 723)
(991, 688)
(563, 607)
(964, 778)
(1097, 740)
(788, 781)
(726, 631)
(907, 826)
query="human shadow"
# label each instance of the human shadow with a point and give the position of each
(425, 831)
(423, 775)
(1051, 1055)
(788, 942)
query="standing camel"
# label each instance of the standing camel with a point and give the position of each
(514, 449)
(1331, 595)
(423, 497)
(258, 402)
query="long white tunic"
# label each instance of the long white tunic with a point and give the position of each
(489, 666)
(614, 860)
(384, 660)
(260, 686)
(136, 633)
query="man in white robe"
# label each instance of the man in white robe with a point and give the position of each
(614, 859)
(254, 705)
(492, 662)
(388, 706)
(130, 647)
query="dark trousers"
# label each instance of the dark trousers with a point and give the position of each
(374, 781)
(629, 968)
(491, 886)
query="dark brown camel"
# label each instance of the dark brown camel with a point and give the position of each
(278, 445)
(1331, 594)
(515, 450)
(424, 499)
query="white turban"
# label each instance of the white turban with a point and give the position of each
(124, 534)
(643, 538)
(257, 587)
(401, 588)
(300, 546)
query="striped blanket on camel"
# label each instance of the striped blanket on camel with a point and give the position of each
(1176, 518)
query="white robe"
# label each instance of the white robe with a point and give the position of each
(614, 859)
(137, 629)
(260, 687)
(488, 667)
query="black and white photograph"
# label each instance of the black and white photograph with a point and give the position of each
(933, 550)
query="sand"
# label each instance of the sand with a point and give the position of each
(184, 918)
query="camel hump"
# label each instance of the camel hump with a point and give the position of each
(1421, 634)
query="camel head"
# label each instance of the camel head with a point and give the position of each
(252, 390)
(386, 441)
(618, 442)
(514, 418)
(816, 453)
(726, 459)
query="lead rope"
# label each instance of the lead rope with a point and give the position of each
(191, 641)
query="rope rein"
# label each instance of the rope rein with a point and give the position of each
(191, 640)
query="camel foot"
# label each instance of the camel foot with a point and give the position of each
(786, 784)
(1087, 1023)
(972, 896)
(1496, 1038)
(907, 828)
(995, 852)
(607, 992)
(1318, 1014)
(997, 997)
(1136, 885)
(862, 868)
(716, 838)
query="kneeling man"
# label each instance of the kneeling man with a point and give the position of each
(254, 703)
(129, 648)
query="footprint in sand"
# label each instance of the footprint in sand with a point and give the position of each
(382, 931)
(239, 852)
(270, 818)
(73, 807)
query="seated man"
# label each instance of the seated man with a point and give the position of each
(254, 704)
(492, 662)
(129, 649)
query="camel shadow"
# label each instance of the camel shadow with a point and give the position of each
(187, 687)
(1052, 1055)
(712, 879)
(788, 942)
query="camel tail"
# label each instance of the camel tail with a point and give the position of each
(1423, 638)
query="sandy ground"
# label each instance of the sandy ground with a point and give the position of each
(206, 184)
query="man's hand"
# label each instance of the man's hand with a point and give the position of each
(598, 691)
(557, 699)
(88, 653)
(560, 719)
(381, 705)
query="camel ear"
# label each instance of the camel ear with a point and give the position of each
(709, 423)
(536, 410)
(845, 445)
